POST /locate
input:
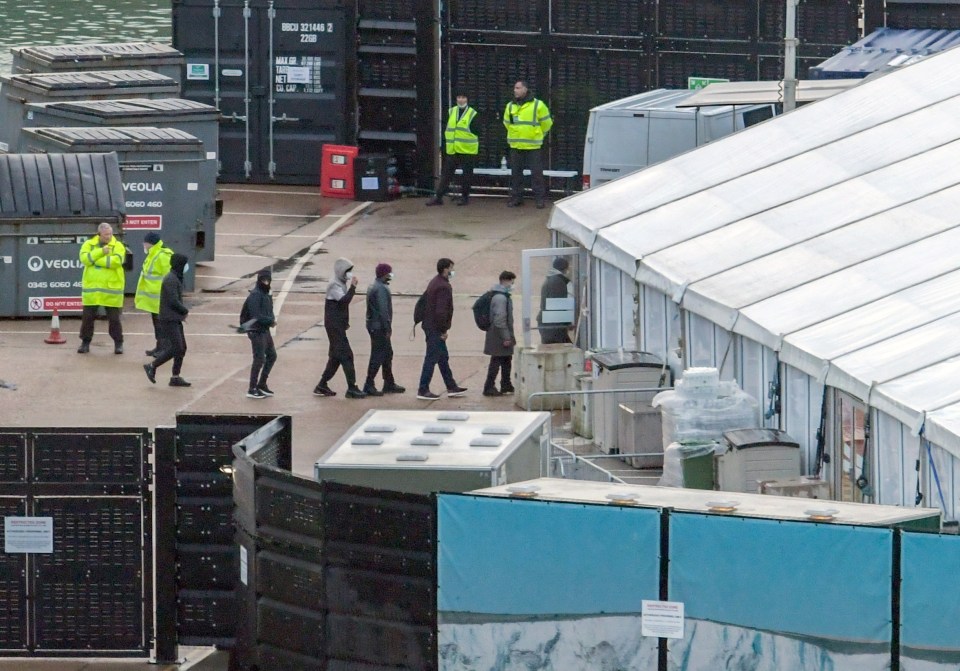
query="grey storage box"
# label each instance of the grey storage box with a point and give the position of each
(581, 407)
(425, 451)
(198, 119)
(617, 370)
(49, 206)
(545, 368)
(166, 183)
(153, 56)
(18, 90)
(755, 455)
(639, 436)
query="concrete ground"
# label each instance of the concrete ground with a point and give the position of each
(300, 234)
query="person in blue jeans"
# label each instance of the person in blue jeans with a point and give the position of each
(438, 317)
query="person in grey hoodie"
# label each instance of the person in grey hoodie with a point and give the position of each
(380, 328)
(500, 340)
(336, 320)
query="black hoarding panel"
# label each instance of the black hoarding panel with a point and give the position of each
(295, 629)
(818, 21)
(90, 591)
(208, 566)
(629, 18)
(278, 659)
(88, 458)
(291, 580)
(708, 19)
(487, 73)
(13, 458)
(936, 15)
(576, 88)
(13, 584)
(771, 67)
(289, 504)
(497, 15)
(382, 645)
(674, 68)
(364, 593)
(386, 10)
(205, 520)
(206, 617)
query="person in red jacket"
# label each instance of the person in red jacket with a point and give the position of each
(436, 323)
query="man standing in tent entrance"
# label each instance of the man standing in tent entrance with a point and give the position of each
(527, 121)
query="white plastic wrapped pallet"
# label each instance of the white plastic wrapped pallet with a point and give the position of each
(704, 411)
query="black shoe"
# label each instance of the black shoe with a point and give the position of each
(118, 348)
(370, 390)
(265, 389)
(177, 381)
(323, 390)
(491, 391)
(354, 392)
(151, 352)
(393, 389)
(84, 348)
(507, 389)
(513, 202)
(436, 200)
(151, 372)
(463, 201)
(540, 203)
(454, 392)
(255, 393)
(427, 395)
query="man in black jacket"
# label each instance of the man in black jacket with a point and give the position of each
(336, 321)
(380, 328)
(436, 322)
(170, 320)
(256, 318)
(554, 286)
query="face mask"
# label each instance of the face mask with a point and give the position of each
(146, 249)
(389, 276)
(509, 288)
(186, 267)
(348, 277)
(450, 276)
(463, 106)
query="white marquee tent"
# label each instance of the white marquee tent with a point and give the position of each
(829, 236)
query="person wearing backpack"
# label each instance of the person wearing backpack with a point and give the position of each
(437, 319)
(500, 339)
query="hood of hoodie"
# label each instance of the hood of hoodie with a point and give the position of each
(337, 287)
(177, 263)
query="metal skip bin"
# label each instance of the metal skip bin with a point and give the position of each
(165, 180)
(153, 56)
(197, 119)
(49, 206)
(18, 90)
(425, 451)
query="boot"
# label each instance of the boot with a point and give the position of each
(436, 200)
(177, 381)
(354, 392)
(393, 388)
(84, 347)
(370, 389)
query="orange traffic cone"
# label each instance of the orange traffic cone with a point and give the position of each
(55, 338)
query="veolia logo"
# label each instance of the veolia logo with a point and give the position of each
(35, 263)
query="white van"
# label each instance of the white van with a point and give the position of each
(632, 133)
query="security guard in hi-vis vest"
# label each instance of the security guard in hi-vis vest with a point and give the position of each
(461, 146)
(527, 121)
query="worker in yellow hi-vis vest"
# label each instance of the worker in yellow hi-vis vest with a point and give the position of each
(461, 146)
(527, 121)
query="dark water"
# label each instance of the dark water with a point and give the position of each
(34, 22)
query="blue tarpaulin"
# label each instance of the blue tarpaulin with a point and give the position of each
(884, 48)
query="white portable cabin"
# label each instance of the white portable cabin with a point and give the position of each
(640, 130)
(813, 259)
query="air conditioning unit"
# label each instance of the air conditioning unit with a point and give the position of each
(754, 456)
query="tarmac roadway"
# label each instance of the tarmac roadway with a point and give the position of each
(300, 234)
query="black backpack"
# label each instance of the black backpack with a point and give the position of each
(420, 310)
(481, 311)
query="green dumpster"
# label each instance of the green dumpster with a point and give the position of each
(696, 463)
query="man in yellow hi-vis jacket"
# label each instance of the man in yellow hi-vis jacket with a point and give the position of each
(461, 146)
(103, 281)
(156, 265)
(527, 121)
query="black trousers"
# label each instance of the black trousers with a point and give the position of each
(89, 317)
(381, 355)
(503, 366)
(340, 354)
(532, 160)
(264, 356)
(174, 346)
(450, 163)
